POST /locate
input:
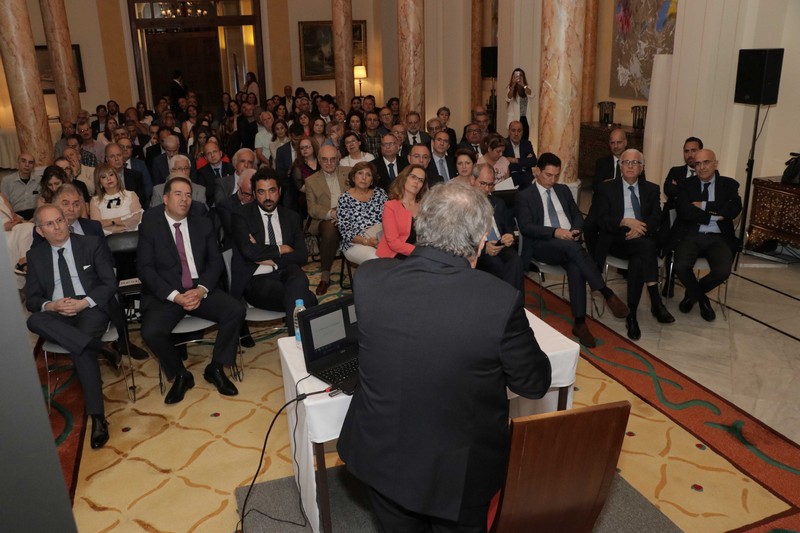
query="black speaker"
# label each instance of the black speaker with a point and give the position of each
(759, 76)
(489, 62)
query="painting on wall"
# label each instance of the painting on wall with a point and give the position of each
(642, 29)
(46, 69)
(316, 48)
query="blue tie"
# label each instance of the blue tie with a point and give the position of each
(637, 208)
(551, 210)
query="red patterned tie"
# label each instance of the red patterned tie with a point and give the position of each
(186, 275)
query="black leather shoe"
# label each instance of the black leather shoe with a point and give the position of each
(215, 374)
(686, 304)
(706, 311)
(585, 336)
(659, 311)
(183, 382)
(137, 352)
(99, 432)
(247, 341)
(111, 355)
(634, 333)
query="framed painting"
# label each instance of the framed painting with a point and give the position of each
(46, 69)
(316, 48)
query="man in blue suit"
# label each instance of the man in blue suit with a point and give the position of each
(551, 224)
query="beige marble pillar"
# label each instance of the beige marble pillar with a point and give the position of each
(476, 81)
(589, 61)
(22, 77)
(343, 51)
(59, 45)
(561, 72)
(411, 52)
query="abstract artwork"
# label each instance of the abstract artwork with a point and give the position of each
(642, 29)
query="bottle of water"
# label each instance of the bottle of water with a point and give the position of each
(298, 306)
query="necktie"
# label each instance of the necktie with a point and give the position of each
(551, 210)
(475, 147)
(692, 172)
(413, 139)
(66, 277)
(617, 171)
(443, 170)
(270, 230)
(637, 208)
(392, 175)
(72, 229)
(704, 196)
(217, 172)
(186, 275)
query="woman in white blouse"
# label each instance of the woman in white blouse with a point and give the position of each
(351, 145)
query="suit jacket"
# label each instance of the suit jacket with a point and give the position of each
(208, 179)
(434, 437)
(283, 163)
(134, 181)
(223, 187)
(603, 170)
(530, 209)
(141, 167)
(608, 208)
(422, 138)
(249, 220)
(449, 161)
(383, 172)
(89, 227)
(468, 146)
(503, 217)
(318, 196)
(150, 155)
(160, 169)
(157, 261)
(521, 172)
(727, 203)
(671, 182)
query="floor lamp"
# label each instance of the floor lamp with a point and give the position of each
(359, 73)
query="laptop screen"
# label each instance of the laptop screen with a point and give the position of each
(328, 329)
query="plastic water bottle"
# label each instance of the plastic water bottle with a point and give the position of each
(298, 306)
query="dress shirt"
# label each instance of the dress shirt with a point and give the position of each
(187, 245)
(515, 147)
(58, 291)
(441, 164)
(22, 195)
(276, 226)
(563, 221)
(712, 226)
(76, 228)
(626, 194)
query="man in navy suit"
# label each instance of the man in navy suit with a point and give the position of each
(628, 215)
(180, 266)
(442, 161)
(551, 224)
(269, 251)
(707, 204)
(70, 291)
(520, 153)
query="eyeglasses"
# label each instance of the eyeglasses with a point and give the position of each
(630, 163)
(485, 184)
(416, 178)
(50, 224)
(245, 194)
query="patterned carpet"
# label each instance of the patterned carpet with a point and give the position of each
(175, 468)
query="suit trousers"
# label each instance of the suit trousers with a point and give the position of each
(579, 266)
(279, 290)
(393, 518)
(507, 265)
(642, 256)
(329, 239)
(74, 333)
(720, 258)
(159, 317)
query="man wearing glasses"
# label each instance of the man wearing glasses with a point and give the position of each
(388, 164)
(628, 215)
(180, 166)
(707, 204)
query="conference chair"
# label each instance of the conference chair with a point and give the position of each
(560, 469)
(620, 264)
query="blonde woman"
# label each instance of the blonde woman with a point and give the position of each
(116, 209)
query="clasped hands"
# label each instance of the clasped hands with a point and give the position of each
(636, 228)
(190, 299)
(67, 306)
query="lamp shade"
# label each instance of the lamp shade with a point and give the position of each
(359, 72)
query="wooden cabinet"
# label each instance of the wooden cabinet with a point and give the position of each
(775, 213)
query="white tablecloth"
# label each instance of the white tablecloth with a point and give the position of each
(319, 418)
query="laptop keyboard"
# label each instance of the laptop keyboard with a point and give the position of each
(340, 372)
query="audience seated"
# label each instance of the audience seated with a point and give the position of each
(22, 188)
(359, 214)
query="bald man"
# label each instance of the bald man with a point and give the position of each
(22, 187)
(607, 168)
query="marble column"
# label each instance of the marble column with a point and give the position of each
(343, 51)
(65, 73)
(589, 61)
(476, 81)
(411, 52)
(22, 77)
(561, 72)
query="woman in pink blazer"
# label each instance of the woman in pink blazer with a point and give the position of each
(405, 193)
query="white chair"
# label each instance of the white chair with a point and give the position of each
(193, 324)
(619, 264)
(254, 314)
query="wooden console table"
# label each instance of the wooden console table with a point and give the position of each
(775, 213)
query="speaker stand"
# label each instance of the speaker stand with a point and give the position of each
(747, 183)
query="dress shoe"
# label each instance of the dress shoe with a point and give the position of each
(618, 308)
(247, 341)
(585, 337)
(686, 304)
(183, 382)
(99, 432)
(706, 311)
(111, 355)
(137, 352)
(322, 288)
(659, 311)
(215, 374)
(634, 333)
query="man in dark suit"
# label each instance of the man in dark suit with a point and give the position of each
(160, 169)
(284, 157)
(431, 440)
(138, 165)
(214, 170)
(414, 133)
(156, 149)
(628, 215)
(442, 161)
(520, 154)
(707, 204)
(180, 266)
(389, 165)
(269, 251)
(607, 168)
(691, 146)
(472, 138)
(70, 291)
(242, 160)
(551, 225)
(134, 181)
(499, 257)
(421, 155)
